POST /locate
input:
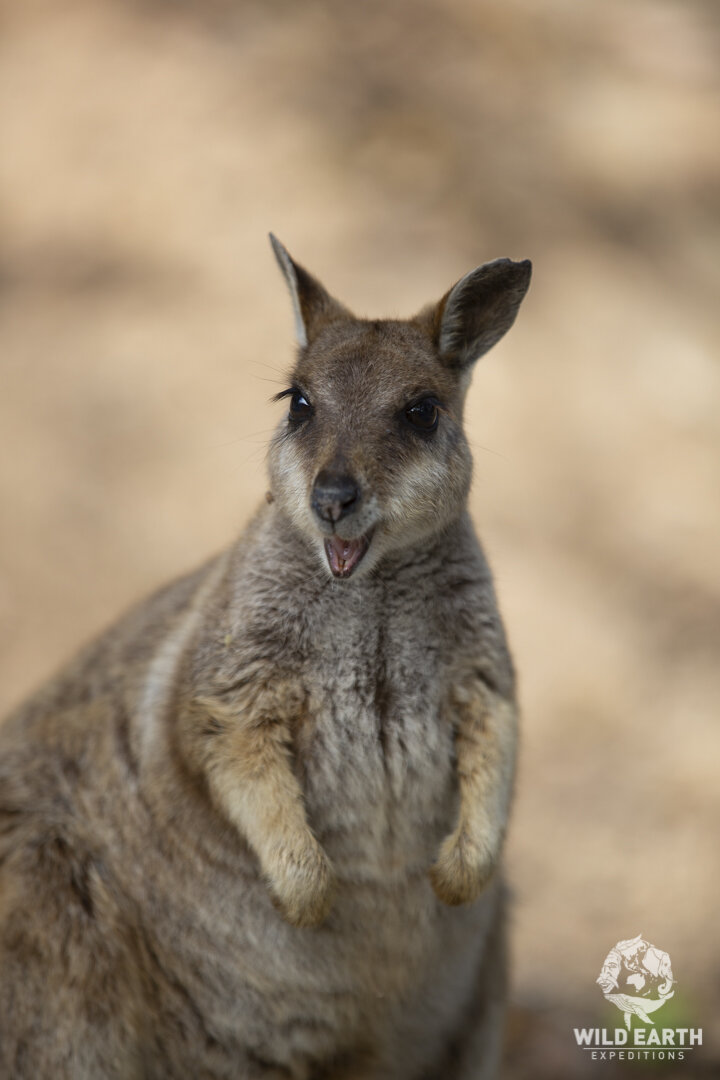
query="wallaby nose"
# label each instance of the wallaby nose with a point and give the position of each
(333, 496)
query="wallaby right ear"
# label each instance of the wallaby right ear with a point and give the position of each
(314, 307)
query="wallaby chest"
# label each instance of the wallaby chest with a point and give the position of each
(375, 747)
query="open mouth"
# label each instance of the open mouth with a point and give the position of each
(343, 556)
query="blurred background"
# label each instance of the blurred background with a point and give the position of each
(147, 148)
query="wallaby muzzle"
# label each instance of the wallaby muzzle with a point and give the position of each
(334, 496)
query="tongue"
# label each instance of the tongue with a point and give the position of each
(344, 555)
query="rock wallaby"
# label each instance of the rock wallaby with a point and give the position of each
(253, 831)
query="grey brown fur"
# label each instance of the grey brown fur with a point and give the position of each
(253, 831)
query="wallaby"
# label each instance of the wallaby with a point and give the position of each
(253, 831)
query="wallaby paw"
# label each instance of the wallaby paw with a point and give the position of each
(462, 870)
(303, 884)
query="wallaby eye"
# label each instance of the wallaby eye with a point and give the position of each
(300, 407)
(423, 414)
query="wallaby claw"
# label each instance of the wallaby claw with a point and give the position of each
(462, 871)
(302, 886)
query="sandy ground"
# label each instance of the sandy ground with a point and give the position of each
(148, 148)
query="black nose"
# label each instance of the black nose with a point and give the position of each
(333, 496)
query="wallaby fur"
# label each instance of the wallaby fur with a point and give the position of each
(253, 831)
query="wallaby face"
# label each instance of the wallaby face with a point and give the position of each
(372, 458)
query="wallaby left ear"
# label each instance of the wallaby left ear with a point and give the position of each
(313, 305)
(477, 311)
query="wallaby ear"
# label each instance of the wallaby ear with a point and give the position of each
(314, 307)
(477, 311)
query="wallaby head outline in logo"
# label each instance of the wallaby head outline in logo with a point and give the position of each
(637, 978)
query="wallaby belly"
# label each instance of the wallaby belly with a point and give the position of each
(384, 983)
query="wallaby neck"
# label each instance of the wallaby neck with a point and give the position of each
(288, 554)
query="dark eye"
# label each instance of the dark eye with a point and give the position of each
(424, 414)
(300, 407)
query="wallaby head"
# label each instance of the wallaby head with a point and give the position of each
(372, 456)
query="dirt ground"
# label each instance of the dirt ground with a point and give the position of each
(147, 148)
